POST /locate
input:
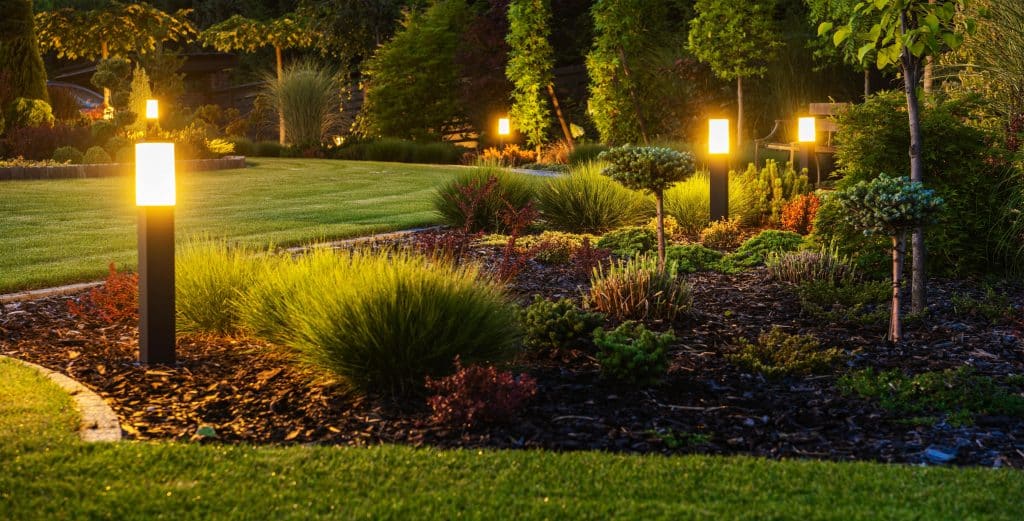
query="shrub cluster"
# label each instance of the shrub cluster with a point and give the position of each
(692, 258)
(635, 290)
(477, 395)
(724, 234)
(475, 200)
(632, 354)
(755, 250)
(551, 327)
(399, 151)
(777, 354)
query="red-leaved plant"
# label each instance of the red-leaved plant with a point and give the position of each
(477, 395)
(587, 257)
(516, 220)
(117, 300)
(798, 214)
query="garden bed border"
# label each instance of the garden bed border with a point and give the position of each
(12, 173)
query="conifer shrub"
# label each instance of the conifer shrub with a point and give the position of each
(632, 354)
(551, 327)
(777, 354)
(96, 155)
(629, 241)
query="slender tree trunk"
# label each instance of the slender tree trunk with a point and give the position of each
(641, 120)
(561, 119)
(867, 83)
(739, 114)
(899, 245)
(280, 109)
(660, 199)
(910, 64)
(104, 54)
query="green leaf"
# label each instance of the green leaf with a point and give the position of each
(864, 49)
(841, 35)
(824, 28)
(952, 40)
(932, 22)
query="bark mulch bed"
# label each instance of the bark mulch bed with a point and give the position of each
(244, 391)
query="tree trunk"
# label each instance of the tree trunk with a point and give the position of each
(104, 54)
(899, 244)
(910, 64)
(660, 199)
(739, 115)
(929, 68)
(867, 83)
(561, 119)
(636, 100)
(280, 109)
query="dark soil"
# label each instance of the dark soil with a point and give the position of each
(248, 392)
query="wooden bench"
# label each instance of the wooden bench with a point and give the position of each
(783, 133)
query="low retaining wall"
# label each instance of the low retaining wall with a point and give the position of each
(112, 169)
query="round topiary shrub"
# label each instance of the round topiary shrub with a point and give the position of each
(70, 155)
(95, 155)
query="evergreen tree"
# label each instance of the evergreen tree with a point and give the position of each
(20, 62)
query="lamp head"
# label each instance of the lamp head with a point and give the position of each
(152, 109)
(154, 174)
(806, 132)
(718, 136)
(504, 128)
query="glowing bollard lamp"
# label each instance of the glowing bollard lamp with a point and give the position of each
(806, 136)
(718, 164)
(504, 129)
(155, 197)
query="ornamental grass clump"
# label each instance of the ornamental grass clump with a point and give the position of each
(635, 289)
(823, 265)
(891, 206)
(653, 170)
(584, 201)
(209, 278)
(475, 200)
(308, 97)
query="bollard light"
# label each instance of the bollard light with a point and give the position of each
(806, 135)
(718, 165)
(152, 109)
(155, 195)
(504, 128)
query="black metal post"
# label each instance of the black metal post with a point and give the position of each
(156, 285)
(718, 164)
(806, 149)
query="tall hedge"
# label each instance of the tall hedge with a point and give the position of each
(20, 62)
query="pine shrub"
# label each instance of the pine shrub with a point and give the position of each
(632, 354)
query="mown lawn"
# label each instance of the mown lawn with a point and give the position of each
(59, 231)
(45, 474)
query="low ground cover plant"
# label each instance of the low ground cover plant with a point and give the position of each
(116, 300)
(632, 354)
(993, 306)
(476, 395)
(776, 354)
(861, 303)
(635, 289)
(629, 241)
(755, 250)
(550, 327)
(959, 394)
(692, 258)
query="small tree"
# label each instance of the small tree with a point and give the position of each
(20, 62)
(139, 92)
(892, 206)
(737, 38)
(653, 170)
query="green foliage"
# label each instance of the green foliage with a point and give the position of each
(692, 258)
(632, 354)
(689, 202)
(889, 205)
(530, 64)
(993, 306)
(585, 153)
(735, 37)
(308, 96)
(552, 247)
(267, 149)
(858, 303)
(960, 394)
(96, 155)
(139, 92)
(724, 234)
(70, 155)
(114, 74)
(20, 62)
(587, 202)
(822, 265)
(549, 327)
(869, 254)
(487, 193)
(629, 241)
(758, 248)
(239, 33)
(777, 354)
(25, 112)
(413, 81)
(636, 290)
(120, 29)
(652, 169)
(209, 279)
(770, 188)
(401, 151)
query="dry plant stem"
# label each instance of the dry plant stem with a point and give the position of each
(661, 231)
(899, 245)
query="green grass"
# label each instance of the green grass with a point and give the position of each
(66, 479)
(60, 231)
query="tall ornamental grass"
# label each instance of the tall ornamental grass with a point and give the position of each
(584, 201)
(690, 202)
(309, 98)
(636, 290)
(480, 195)
(209, 277)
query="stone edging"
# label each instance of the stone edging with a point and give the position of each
(98, 423)
(112, 169)
(46, 292)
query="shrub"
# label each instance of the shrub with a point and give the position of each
(798, 214)
(723, 235)
(96, 155)
(209, 278)
(960, 394)
(556, 153)
(39, 143)
(585, 153)
(25, 112)
(587, 202)
(861, 303)
(400, 151)
(551, 327)
(692, 258)
(116, 143)
(511, 155)
(756, 249)
(635, 289)
(70, 155)
(384, 321)
(125, 155)
(672, 229)
(823, 265)
(629, 241)
(244, 146)
(492, 190)
(632, 354)
(993, 306)
(220, 147)
(116, 301)
(102, 130)
(772, 187)
(308, 97)
(868, 253)
(553, 247)
(587, 257)
(777, 354)
(477, 395)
